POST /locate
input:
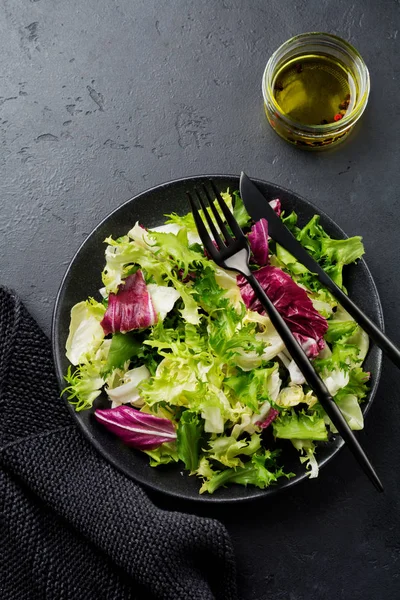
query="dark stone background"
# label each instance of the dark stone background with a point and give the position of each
(100, 100)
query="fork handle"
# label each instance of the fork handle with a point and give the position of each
(314, 381)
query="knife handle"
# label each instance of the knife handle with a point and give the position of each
(315, 382)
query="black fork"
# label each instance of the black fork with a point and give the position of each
(231, 250)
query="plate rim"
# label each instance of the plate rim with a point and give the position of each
(255, 493)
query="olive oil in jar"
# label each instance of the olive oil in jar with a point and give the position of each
(314, 89)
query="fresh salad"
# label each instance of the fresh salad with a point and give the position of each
(193, 369)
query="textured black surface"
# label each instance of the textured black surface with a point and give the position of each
(169, 89)
(83, 280)
(88, 531)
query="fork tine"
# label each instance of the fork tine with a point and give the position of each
(201, 228)
(217, 216)
(210, 222)
(230, 219)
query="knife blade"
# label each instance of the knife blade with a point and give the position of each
(258, 207)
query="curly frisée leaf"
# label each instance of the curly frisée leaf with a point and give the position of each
(163, 455)
(227, 449)
(337, 330)
(301, 426)
(86, 381)
(175, 247)
(190, 310)
(343, 252)
(307, 455)
(260, 471)
(84, 386)
(254, 387)
(121, 254)
(357, 384)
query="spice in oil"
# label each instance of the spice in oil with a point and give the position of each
(314, 89)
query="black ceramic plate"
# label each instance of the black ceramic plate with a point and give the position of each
(83, 279)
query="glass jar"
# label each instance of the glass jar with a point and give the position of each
(316, 137)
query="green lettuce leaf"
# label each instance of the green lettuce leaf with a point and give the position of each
(289, 261)
(215, 408)
(226, 280)
(227, 336)
(311, 235)
(190, 310)
(213, 418)
(85, 332)
(209, 295)
(252, 387)
(190, 430)
(335, 272)
(350, 408)
(204, 469)
(343, 252)
(357, 385)
(303, 426)
(227, 449)
(342, 357)
(260, 471)
(123, 347)
(185, 221)
(290, 221)
(175, 247)
(330, 253)
(239, 211)
(171, 383)
(338, 330)
(124, 253)
(358, 338)
(183, 340)
(163, 455)
(291, 396)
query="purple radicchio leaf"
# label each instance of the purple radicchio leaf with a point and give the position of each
(137, 429)
(276, 205)
(130, 308)
(258, 239)
(271, 416)
(292, 302)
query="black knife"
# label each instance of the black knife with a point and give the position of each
(258, 207)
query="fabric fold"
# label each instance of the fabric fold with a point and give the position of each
(56, 486)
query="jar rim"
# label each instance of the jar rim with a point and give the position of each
(318, 130)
